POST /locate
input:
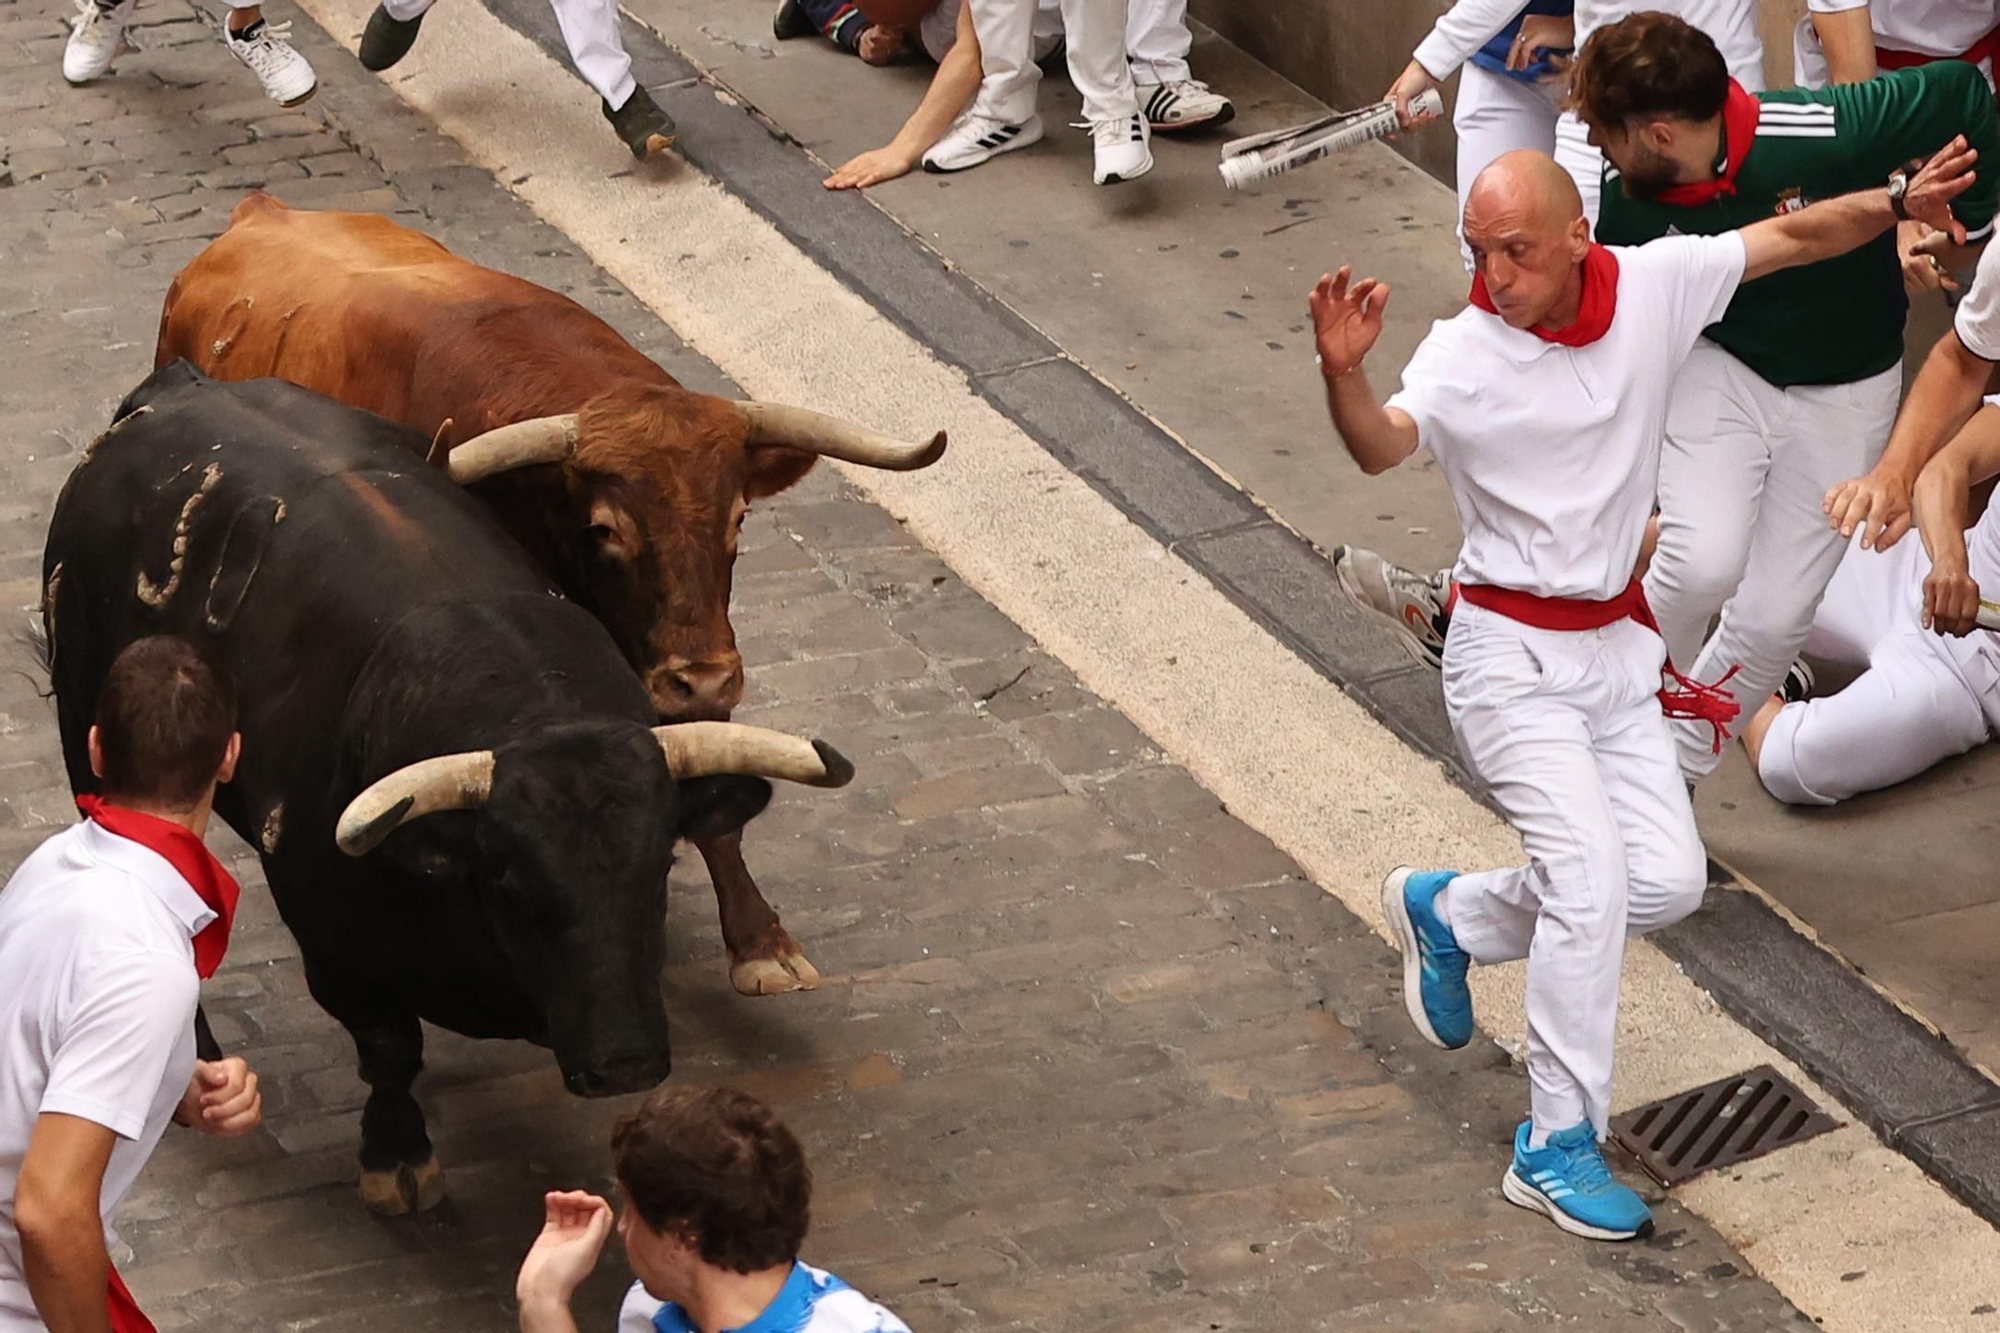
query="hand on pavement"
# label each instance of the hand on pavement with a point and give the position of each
(870, 168)
(1346, 321)
(574, 1226)
(222, 1099)
(1877, 505)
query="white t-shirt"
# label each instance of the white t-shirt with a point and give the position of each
(811, 1301)
(1926, 27)
(1978, 317)
(1730, 24)
(1552, 453)
(96, 1013)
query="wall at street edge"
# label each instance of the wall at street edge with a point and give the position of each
(1346, 52)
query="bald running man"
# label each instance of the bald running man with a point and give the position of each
(1544, 402)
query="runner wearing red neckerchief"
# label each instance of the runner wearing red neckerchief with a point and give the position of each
(1544, 403)
(105, 932)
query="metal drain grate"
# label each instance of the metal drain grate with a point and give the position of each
(1730, 1120)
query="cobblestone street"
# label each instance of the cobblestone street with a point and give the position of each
(1090, 1053)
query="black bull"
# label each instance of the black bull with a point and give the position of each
(373, 615)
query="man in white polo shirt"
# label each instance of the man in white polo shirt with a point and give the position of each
(1544, 403)
(104, 933)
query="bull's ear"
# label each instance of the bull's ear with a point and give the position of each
(717, 807)
(775, 468)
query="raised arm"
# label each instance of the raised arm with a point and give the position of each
(1346, 323)
(1943, 501)
(1835, 226)
(954, 84)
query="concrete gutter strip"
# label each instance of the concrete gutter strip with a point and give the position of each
(1911, 1087)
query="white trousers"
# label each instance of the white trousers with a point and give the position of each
(1584, 163)
(1094, 31)
(1565, 730)
(1157, 40)
(1495, 115)
(1745, 469)
(1921, 700)
(589, 29)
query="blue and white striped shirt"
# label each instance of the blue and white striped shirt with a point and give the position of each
(811, 1301)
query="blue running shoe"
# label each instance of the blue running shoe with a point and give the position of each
(1434, 989)
(1568, 1180)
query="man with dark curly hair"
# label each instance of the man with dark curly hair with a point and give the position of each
(717, 1198)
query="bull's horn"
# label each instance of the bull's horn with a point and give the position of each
(816, 433)
(705, 749)
(448, 782)
(523, 444)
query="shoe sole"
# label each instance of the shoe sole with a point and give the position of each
(1398, 913)
(1222, 117)
(302, 98)
(1412, 646)
(1019, 141)
(1523, 1195)
(1130, 176)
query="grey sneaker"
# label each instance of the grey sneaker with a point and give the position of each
(387, 39)
(1413, 603)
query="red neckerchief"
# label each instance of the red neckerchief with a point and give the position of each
(1594, 310)
(194, 863)
(1740, 111)
(126, 1316)
(1703, 703)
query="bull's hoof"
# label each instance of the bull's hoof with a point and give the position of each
(410, 1188)
(787, 970)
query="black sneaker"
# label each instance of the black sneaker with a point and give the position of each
(386, 40)
(1798, 683)
(791, 21)
(644, 127)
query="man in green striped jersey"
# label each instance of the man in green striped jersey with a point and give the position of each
(1793, 392)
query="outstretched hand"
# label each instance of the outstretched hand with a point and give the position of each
(1346, 321)
(1877, 504)
(574, 1227)
(1947, 175)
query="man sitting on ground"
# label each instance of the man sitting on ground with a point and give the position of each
(717, 1197)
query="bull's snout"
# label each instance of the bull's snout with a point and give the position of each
(619, 1075)
(688, 691)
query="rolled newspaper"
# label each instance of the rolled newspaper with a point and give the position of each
(1989, 614)
(1258, 156)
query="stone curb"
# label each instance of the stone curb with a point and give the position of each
(1916, 1091)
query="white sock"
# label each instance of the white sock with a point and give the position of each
(1441, 906)
(1537, 1137)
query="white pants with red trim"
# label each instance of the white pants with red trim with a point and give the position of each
(589, 29)
(1565, 730)
(1922, 699)
(1495, 115)
(1094, 33)
(1745, 471)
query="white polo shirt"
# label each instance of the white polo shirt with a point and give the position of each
(96, 1013)
(1925, 27)
(1552, 453)
(1730, 24)
(1978, 316)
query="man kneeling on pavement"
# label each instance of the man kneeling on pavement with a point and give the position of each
(105, 934)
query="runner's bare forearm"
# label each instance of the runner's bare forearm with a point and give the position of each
(1849, 43)
(1831, 227)
(1946, 393)
(1377, 437)
(954, 84)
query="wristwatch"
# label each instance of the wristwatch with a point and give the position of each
(1899, 186)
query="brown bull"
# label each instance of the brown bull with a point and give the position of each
(629, 488)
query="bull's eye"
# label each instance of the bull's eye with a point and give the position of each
(598, 532)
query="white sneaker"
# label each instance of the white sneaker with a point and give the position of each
(1122, 149)
(94, 38)
(1415, 604)
(287, 78)
(975, 139)
(1182, 104)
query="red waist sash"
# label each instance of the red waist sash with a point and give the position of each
(1983, 49)
(1694, 700)
(125, 1313)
